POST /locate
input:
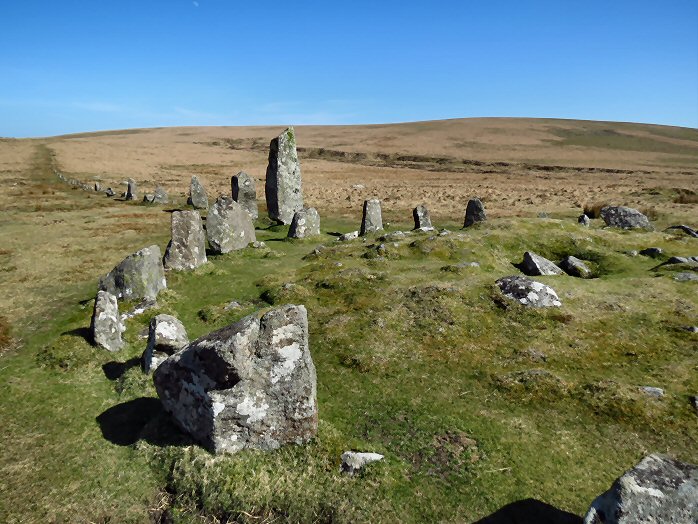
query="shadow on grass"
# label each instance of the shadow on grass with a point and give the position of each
(140, 419)
(530, 511)
(81, 332)
(114, 370)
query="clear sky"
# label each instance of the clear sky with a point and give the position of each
(69, 66)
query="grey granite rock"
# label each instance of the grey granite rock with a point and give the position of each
(372, 219)
(160, 196)
(345, 237)
(575, 267)
(140, 275)
(355, 461)
(652, 252)
(106, 326)
(131, 189)
(584, 220)
(166, 336)
(244, 193)
(528, 292)
(198, 198)
(422, 219)
(624, 217)
(187, 248)
(305, 224)
(228, 226)
(474, 212)
(536, 265)
(283, 186)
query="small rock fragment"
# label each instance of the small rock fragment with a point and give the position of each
(354, 461)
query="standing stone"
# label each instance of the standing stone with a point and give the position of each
(197, 194)
(422, 220)
(166, 336)
(249, 385)
(160, 196)
(106, 326)
(474, 212)
(535, 265)
(244, 193)
(228, 226)
(98, 187)
(131, 190)
(372, 220)
(658, 490)
(187, 249)
(283, 189)
(583, 220)
(624, 217)
(305, 224)
(528, 292)
(148, 198)
(140, 275)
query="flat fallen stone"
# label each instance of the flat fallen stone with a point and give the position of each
(624, 217)
(305, 224)
(372, 219)
(106, 326)
(355, 461)
(187, 248)
(109, 192)
(140, 275)
(536, 265)
(528, 292)
(283, 185)
(689, 231)
(245, 193)
(575, 267)
(228, 226)
(652, 391)
(166, 336)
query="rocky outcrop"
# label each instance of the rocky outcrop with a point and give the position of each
(140, 275)
(305, 224)
(228, 226)
(187, 249)
(283, 187)
(624, 217)
(528, 292)
(106, 326)
(244, 193)
(166, 336)
(474, 212)
(536, 265)
(249, 385)
(198, 198)
(372, 219)
(422, 219)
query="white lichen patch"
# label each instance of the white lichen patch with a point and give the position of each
(252, 409)
(289, 355)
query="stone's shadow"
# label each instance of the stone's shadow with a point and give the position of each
(334, 233)
(114, 370)
(81, 332)
(530, 511)
(519, 266)
(140, 419)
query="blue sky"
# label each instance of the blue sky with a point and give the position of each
(69, 66)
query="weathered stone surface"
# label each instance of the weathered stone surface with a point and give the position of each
(422, 219)
(160, 196)
(474, 212)
(658, 490)
(109, 192)
(686, 276)
(283, 186)
(244, 193)
(97, 187)
(140, 275)
(131, 189)
(249, 385)
(345, 237)
(305, 224)
(535, 265)
(624, 217)
(584, 220)
(652, 252)
(354, 461)
(166, 336)
(528, 292)
(106, 326)
(148, 198)
(228, 226)
(372, 220)
(187, 249)
(197, 194)
(575, 267)
(652, 391)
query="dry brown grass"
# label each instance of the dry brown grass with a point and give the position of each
(686, 196)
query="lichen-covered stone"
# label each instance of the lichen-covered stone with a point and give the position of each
(658, 490)
(140, 275)
(106, 326)
(345, 237)
(422, 219)
(528, 292)
(624, 217)
(244, 193)
(228, 226)
(354, 461)
(131, 189)
(283, 186)
(249, 385)
(575, 267)
(372, 219)
(305, 224)
(197, 194)
(536, 265)
(160, 196)
(187, 249)
(166, 336)
(474, 212)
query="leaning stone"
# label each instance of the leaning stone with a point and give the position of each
(228, 226)
(131, 190)
(198, 198)
(249, 385)
(575, 267)
(244, 193)
(658, 490)
(422, 219)
(305, 224)
(474, 212)
(584, 220)
(372, 220)
(106, 326)
(536, 265)
(652, 252)
(187, 249)
(283, 186)
(140, 275)
(166, 336)
(528, 292)
(354, 461)
(160, 196)
(624, 217)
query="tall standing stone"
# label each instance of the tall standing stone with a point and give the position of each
(305, 224)
(422, 219)
(197, 194)
(106, 326)
(131, 190)
(228, 226)
(140, 275)
(187, 249)
(283, 189)
(244, 193)
(160, 196)
(372, 219)
(474, 212)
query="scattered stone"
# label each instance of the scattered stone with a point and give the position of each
(372, 219)
(535, 265)
(543, 214)
(140, 275)
(257, 244)
(249, 385)
(131, 190)
(653, 392)
(575, 267)
(652, 252)
(160, 196)
(148, 198)
(689, 231)
(624, 217)
(657, 490)
(198, 198)
(109, 192)
(632, 253)
(528, 292)
(358, 186)
(444, 232)
(232, 305)
(533, 355)
(422, 219)
(166, 336)
(106, 326)
(283, 186)
(245, 194)
(348, 236)
(354, 461)
(691, 329)
(187, 249)
(305, 224)
(228, 226)
(474, 212)
(584, 220)
(393, 236)
(694, 402)
(686, 276)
